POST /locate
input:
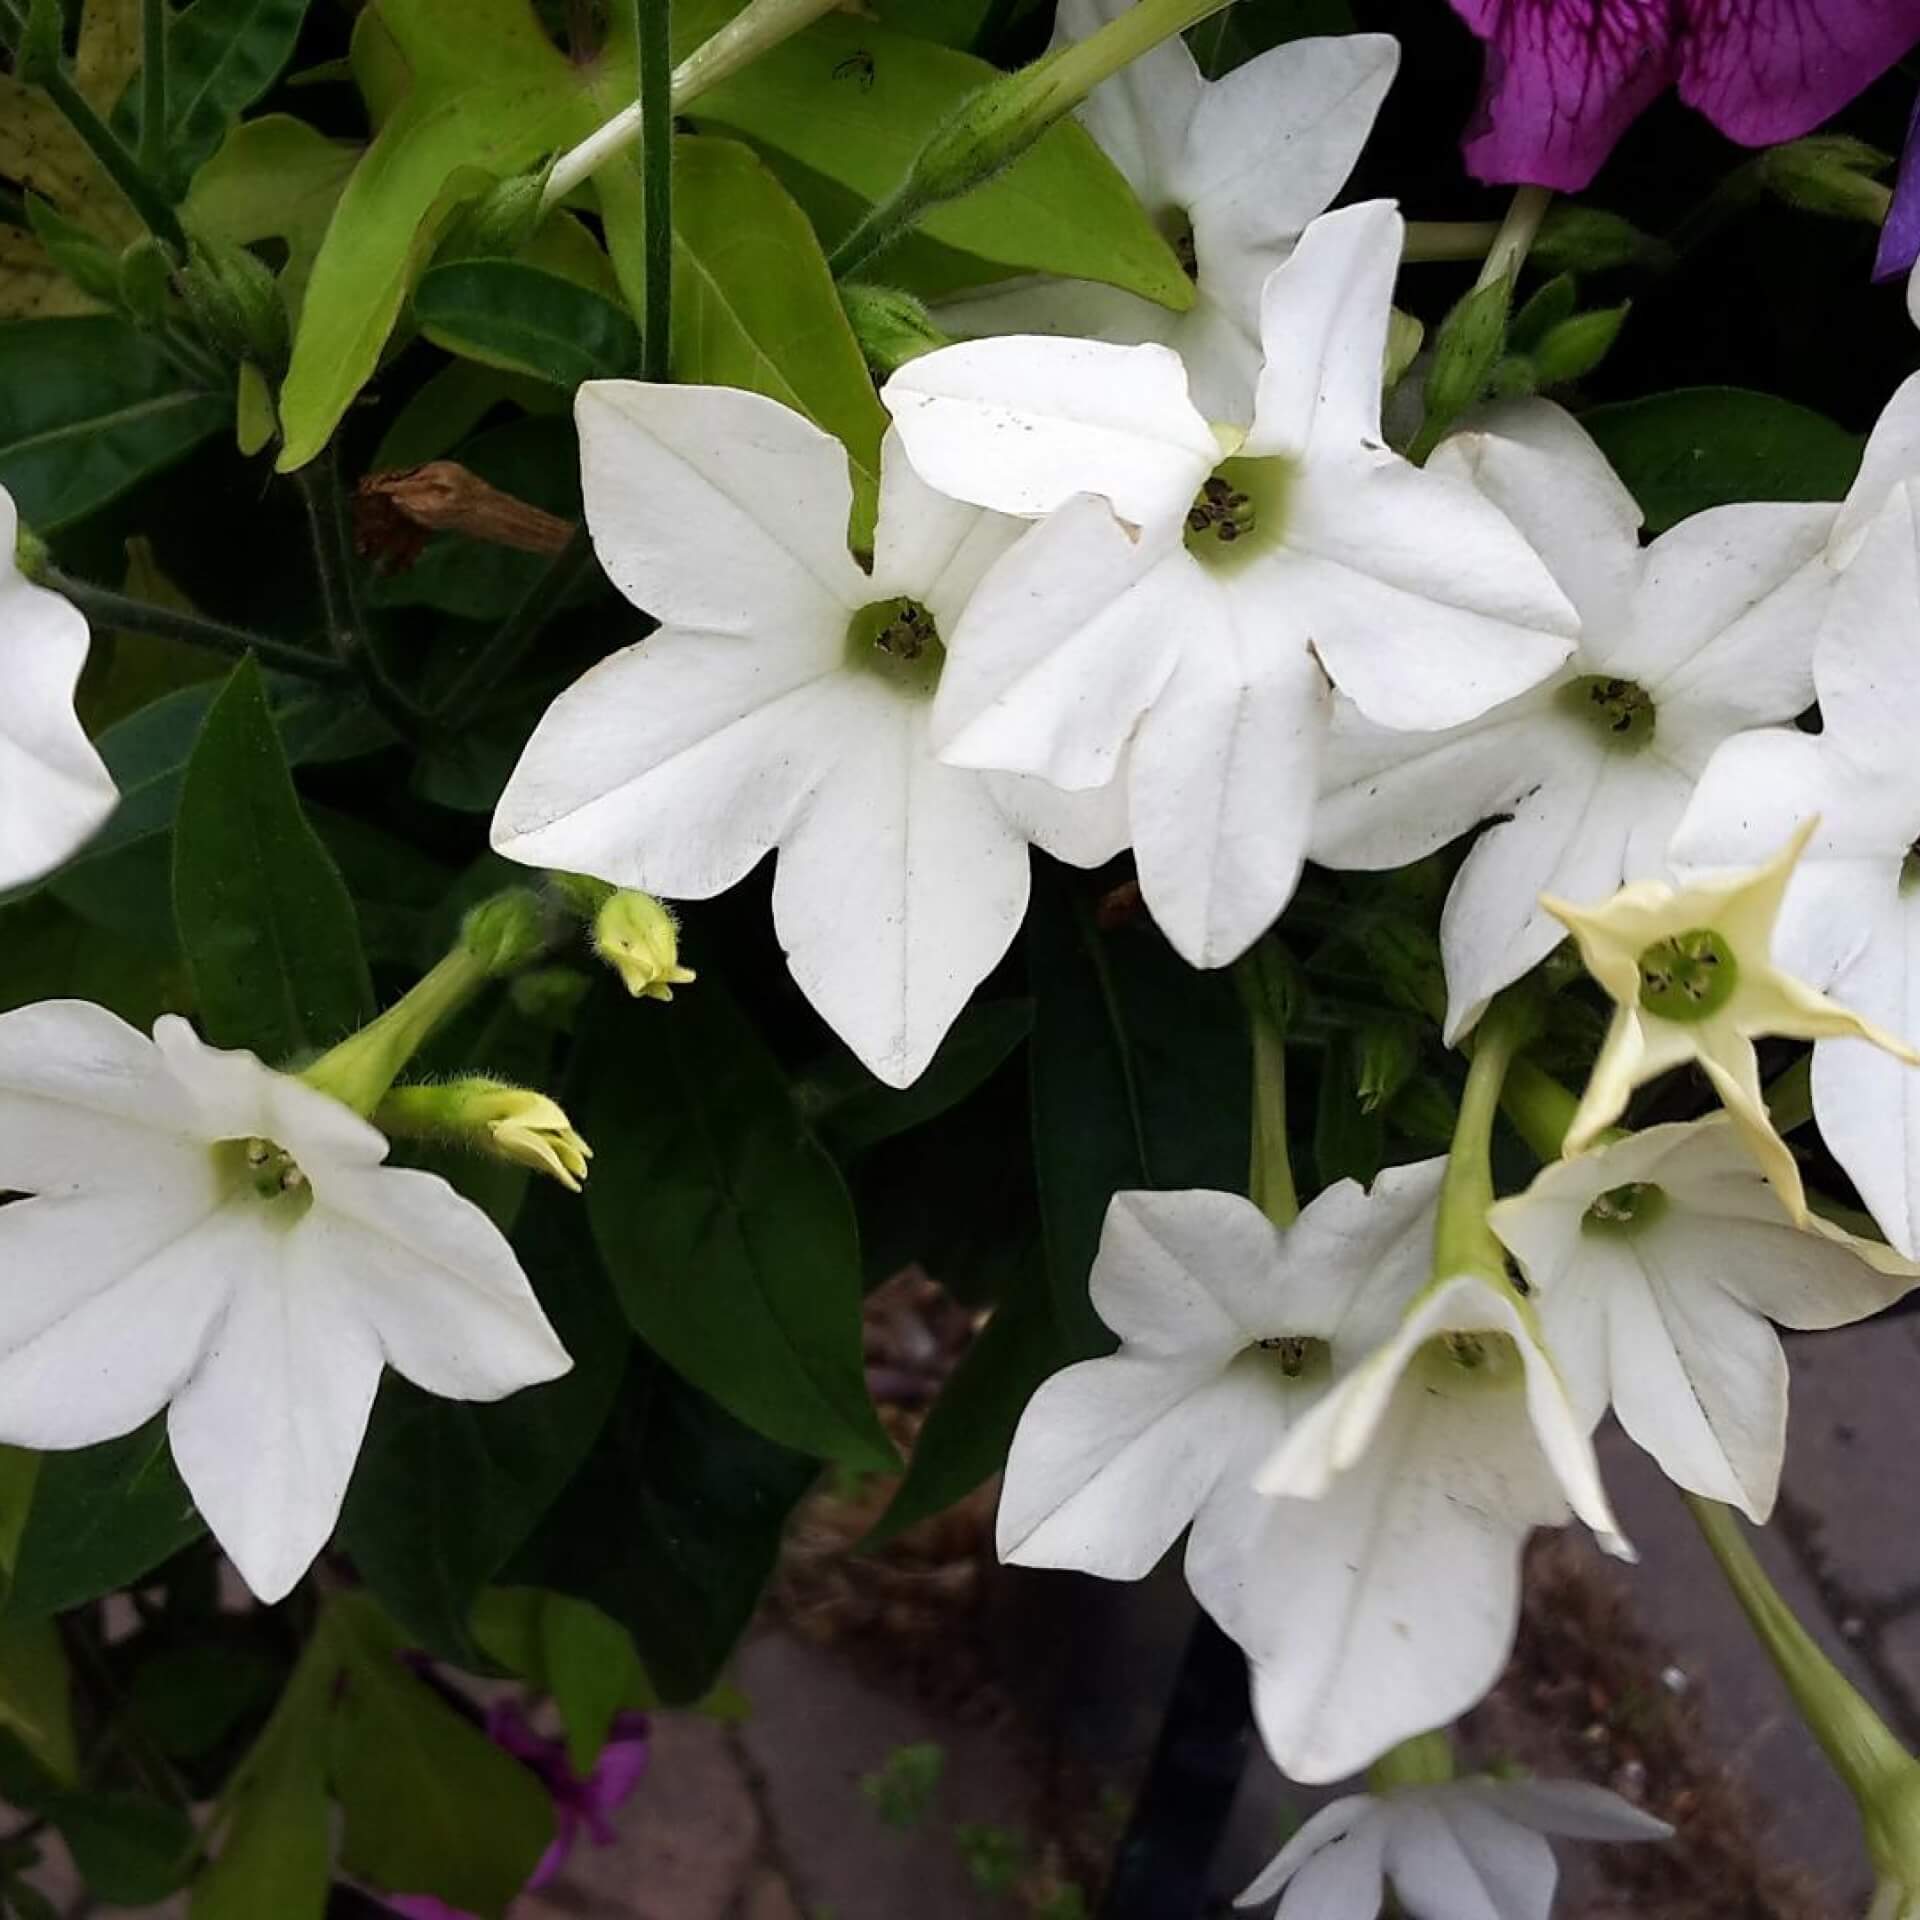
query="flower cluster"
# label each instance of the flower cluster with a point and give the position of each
(1138, 580)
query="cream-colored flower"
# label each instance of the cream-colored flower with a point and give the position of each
(1691, 973)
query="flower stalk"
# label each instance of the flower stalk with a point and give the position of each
(1425, 1760)
(1268, 997)
(1462, 1240)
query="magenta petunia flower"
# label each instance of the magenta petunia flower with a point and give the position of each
(1565, 78)
(1900, 235)
(578, 1804)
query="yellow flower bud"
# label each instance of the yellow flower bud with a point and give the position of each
(489, 1116)
(640, 939)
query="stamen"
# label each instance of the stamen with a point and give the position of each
(1689, 976)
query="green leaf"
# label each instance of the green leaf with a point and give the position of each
(430, 1805)
(265, 921)
(476, 91)
(36, 1704)
(570, 1649)
(102, 1517)
(131, 1851)
(727, 1230)
(1141, 1078)
(192, 1697)
(444, 1492)
(1239, 33)
(842, 109)
(967, 1434)
(222, 55)
(275, 178)
(88, 409)
(1698, 447)
(1349, 1140)
(701, 1502)
(954, 23)
(523, 319)
(754, 305)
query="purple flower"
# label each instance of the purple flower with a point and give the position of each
(1900, 233)
(577, 1803)
(1565, 78)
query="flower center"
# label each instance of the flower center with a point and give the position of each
(1177, 224)
(1297, 1355)
(1625, 1211)
(266, 1170)
(1488, 1355)
(1689, 976)
(1621, 712)
(1240, 510)
(898, 640)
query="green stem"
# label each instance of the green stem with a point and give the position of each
(119, 612)
(516, 634)
(1270, 1183)
(1449, 239)
(364, 1065)
(153, 84)
(652, 36)
(1424, 1760)
(1790, 1098)
(1866, 1756)
(120, 166)
(1515, 236)
(1462, 1240)
(1006, 116)
(1539, 1107)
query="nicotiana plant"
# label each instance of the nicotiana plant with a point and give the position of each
(658, 657)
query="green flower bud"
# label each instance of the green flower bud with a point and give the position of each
(1550, 304)
(1831, 174)
(1586, 240)
(145, 280)
(491, 1117)
(496, 225)
(891, 326)
(1575, 347)
(92, 267)
(1386, 1053)
(1466, 350)
(506, 933)
(235, 302)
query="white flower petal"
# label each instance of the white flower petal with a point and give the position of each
(1867, 1102)
(1085, 829)
(85, 1101)
(1332, 1822)
(1023, 423)
(107, 1299)
(928, 547)
(1867, 663)
(436, 1280)
(1226, 764)
(1323, 328)
(1450, 1858)
(266, 1432)
(715, 508)
(1575, 1808)
(1344, 1881)
(1142, 117)
(675, 764)
(1066, 643)
(1192, 1272)
(1541, 468)
(55, 791)
(1892, 455)
(1424, 603)
(898, 888)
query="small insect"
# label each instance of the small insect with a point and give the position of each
(858, 65)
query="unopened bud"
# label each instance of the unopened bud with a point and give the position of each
(30, 553)
(1386, 1053)
(891, 326)
(1829, 173)
(1586, 240)
(93, 268)
(1466, 350)
(640, 939)
(1575, 347)
(496, 225)
(235, 302)
(144, 280)
(507, 932)
(489, 1116)
(1556, 300)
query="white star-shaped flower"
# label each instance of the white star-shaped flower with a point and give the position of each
(1195, 624)
(784, 703)
(55, 791)
(1463, 1850)
(211, 1235)
(1385, 1602)
(1232, 169)
(1693, 977)
(1705, 633)
(1851, 918)
(1659, 1263)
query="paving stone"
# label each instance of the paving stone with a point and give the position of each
(770, 1898)
(1850, 1479)
(816, 1729)
(687, 1841)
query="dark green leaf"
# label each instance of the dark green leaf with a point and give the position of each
(222, 55)
(429, 1804)
(570, 1649)
(726, 1228)
(1698, 447)
(853, 1111)
(967, 1434)
(88, 409)
(522, 319)
(130, 1850)
(671, 1527)
(265, 921)
(102, 1517)
(191, 1697)
(445, 1491)
(1237, 34)
(1349, 1141)
(1141, 1078)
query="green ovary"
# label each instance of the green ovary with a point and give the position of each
(1689, 976)
(899, 641)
